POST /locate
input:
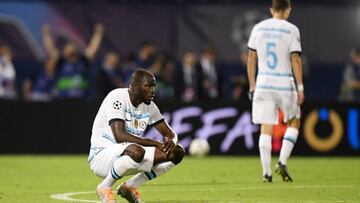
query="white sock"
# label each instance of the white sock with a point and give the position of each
(265, 153)
(156, 171)
(288, 143)
(120, 167)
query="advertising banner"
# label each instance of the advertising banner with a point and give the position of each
(65, 127)
(326, 129)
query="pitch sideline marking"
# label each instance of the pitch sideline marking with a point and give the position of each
(68, 196)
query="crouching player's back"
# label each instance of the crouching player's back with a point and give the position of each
(118, 147)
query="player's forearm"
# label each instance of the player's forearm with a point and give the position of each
(251, 69)
(297, 69)
(126, 137)
(166, 131)
(120, 135)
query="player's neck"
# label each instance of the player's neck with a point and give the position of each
(280, 16)
(133, 99)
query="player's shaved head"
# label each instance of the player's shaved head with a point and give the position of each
(142, 87)
(140, 75)
(280, 5)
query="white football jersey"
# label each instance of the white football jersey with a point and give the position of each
(117, 105)
(274, 40)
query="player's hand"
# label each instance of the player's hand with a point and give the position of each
(300, 98)
(168, 145)
(99, 27)
(250, 95)
(159, 145)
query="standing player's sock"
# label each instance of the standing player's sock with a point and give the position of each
(120, 167)
(288, 143)
(156, 171)
(265, 153)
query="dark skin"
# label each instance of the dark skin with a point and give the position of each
(143, 91)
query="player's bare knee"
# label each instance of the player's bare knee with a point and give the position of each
(135, 152)
(295, 123)
(177, 154)
(267, 129)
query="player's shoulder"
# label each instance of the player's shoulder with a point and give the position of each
(263, 24)
(118, 93)
(291, 26)
(151, 105)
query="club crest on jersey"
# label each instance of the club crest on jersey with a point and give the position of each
(136, 123)
(117, 105)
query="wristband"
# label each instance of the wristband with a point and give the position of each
(175, 138)
(300, 87)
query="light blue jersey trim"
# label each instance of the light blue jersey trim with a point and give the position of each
(108, 138)
(114, 174)
(274, 30)
(268, 87)
(276, 74)
(137, 116)
(133, 131)
(150, 175)
(290, 138)
(93, 152)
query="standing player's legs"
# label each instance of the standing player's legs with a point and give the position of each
(265, 112)
(292, 117)
(162, 164)
(289, 140)
(288, 143)
(265, 145)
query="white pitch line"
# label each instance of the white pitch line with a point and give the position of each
(68, 196)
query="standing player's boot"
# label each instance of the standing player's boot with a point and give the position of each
(282, 170)
(129, 193)
(267, 179)
(105, 194)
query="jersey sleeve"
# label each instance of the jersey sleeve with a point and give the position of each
(155, 115)
(295, 45)
(252, 40)
(114, 107)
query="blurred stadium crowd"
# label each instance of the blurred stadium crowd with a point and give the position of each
(76, 69)
(72, 73)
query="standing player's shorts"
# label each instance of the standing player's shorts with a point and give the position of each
(101, 159)
(266, 105)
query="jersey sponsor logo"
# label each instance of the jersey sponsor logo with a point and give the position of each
(117, 105)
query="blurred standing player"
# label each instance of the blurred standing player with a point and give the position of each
(275, 45)
(117, 146)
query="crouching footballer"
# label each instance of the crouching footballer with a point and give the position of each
(117, 146)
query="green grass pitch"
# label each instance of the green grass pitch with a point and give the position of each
(33, 179)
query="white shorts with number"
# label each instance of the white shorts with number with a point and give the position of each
(266, 105)
(101, 159)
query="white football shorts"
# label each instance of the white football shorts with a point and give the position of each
(266, 105)
(101, 160)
